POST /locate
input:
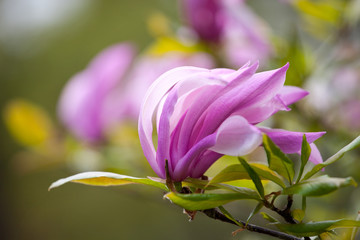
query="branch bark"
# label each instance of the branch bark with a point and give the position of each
(215, 214)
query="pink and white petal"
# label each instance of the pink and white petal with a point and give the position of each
(264, 86)
(290, 142)
(151, 100)
(258, 113)
(315, 156)
(110, 65)
(240, 76)
(236, 137)
(79, 107)
(258, 89)
(206, 160)
(224, 103)
(162, 152)
(204, 97)
(181, 170)
(291, 94)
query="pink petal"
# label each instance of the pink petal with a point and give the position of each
(207, 159)
(236, 137)
(290, 142)
(291, 94)
(315, 155)
(181, 170)
(83, 99)
(150, 102)
(162, 152)
(258, 89)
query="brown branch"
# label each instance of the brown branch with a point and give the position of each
(285, 213)
(215, 214)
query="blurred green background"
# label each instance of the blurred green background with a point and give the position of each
(35, 66)
(36, 60)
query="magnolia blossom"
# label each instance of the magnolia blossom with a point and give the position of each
(203, 114)
(206, 18)
(111, 88)
(82, 101)
(234, 29)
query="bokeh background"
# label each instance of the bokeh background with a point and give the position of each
(44, 43)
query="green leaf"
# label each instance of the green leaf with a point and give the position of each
(237, 172)
(354, 144)
(277, 160)
(198, 201)
(269, 218)
(303, 203)
(199, 183)
(255, 211)
(205, 185)
(305, 154)
(254, 177)
(243, 190)
(316, 228)
(318, 186)
(107, 179)
(229, 216)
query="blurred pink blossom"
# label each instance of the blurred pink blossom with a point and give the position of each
(234, 28)
(111, 88)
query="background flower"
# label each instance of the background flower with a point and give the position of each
(230, 27)
(111, 88)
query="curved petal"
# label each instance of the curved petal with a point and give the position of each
(186, 79)
(206, 160)
(181, 170)
(162, 152)
(203, 99)
(258, 113)
(258, 89)
(82, 101)
(290, 142)
(78, 107)
(315, 155)
(110, 65)
(206, 18)
(291, 94)
(236, 137)
(150, 102)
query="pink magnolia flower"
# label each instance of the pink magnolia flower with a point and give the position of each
(206, 18)
(203, 114)
(83, 99)
(236, 31)
(111, 88)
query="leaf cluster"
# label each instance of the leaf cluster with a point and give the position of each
(208, 194)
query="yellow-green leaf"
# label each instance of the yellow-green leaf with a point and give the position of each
(305, 154)
(198, 201)
(269, 218)
(255, 211)
(318, 186)
(254, 177)
(316, 228)
(107, 179)
(238, 172)
(277, 160)
(354, 144)
(298, 214)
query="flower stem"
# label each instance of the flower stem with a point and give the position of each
(285, 213)
(215, 214)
